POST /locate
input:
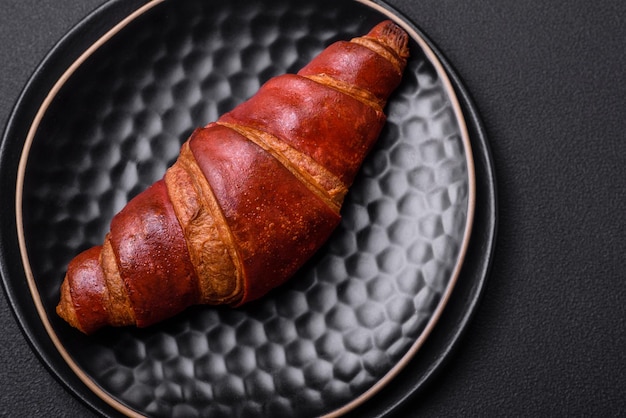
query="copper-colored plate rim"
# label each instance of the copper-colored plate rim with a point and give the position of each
(80, 373)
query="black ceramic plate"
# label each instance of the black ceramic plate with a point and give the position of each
(372, 316)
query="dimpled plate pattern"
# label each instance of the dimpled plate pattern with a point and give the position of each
(350, 315)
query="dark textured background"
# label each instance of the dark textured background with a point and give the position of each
(548, 78)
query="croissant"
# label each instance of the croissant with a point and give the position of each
(250, 198)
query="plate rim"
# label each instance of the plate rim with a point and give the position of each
(433, 56)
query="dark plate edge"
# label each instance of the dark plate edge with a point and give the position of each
(78, 39)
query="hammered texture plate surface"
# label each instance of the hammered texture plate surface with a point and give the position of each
(350, 316)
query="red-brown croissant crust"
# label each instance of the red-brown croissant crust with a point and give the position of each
(251, 197)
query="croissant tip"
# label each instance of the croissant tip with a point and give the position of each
(393, 36)
(65, 308)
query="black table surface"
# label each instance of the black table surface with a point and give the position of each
(549, 81)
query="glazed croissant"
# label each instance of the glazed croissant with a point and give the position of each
(250, 198)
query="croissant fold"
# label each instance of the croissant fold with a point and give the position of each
(250, 198)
